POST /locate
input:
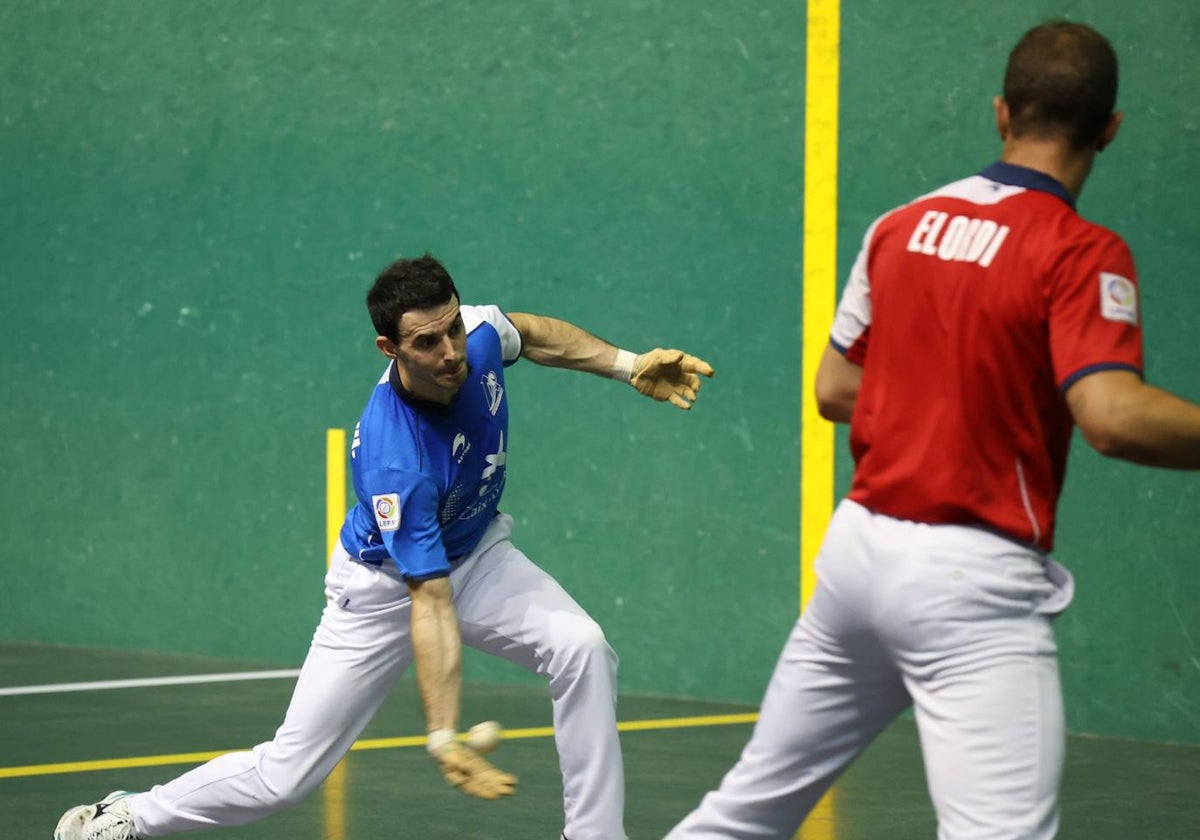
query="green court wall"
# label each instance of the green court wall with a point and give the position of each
(196, 197)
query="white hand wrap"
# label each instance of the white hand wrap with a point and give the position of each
(622, 368)
(438, 738)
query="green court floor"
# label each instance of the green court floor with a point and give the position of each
(1112, 789)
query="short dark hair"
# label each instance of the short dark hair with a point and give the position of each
(407, 284)
(1061, 80)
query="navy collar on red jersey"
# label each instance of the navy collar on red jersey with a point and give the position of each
(1022, 176)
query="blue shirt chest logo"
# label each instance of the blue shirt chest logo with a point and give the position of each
(493, 391)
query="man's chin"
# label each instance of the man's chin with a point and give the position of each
(451, 382)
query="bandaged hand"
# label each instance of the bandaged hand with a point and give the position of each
(669, 376)
(470, 772)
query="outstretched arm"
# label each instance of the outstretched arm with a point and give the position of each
(1123, 417)
(555, 343)
(664, 375)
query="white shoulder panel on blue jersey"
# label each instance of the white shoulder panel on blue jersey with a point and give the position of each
(510, 339)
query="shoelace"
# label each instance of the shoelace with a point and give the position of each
(110, 826)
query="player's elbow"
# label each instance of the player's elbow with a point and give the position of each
(1127, 438)
(432, 593)
(835, 396)
(1107, 409)
(1109, 441)
(836, 386)
(835, 407)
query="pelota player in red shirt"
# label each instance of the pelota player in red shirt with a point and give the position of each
(980, 324)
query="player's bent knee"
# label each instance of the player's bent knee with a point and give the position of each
(291, 792)
(286, 782)
(286, 799)
(587, 636)
(580, 638)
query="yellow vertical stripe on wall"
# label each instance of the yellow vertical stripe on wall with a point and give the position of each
(820, 276)
(335, 511)
(335, 485)
(820, 292)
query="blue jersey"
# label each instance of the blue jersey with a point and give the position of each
(428, 477)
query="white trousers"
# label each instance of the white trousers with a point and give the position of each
(954, 621)
(506, 605)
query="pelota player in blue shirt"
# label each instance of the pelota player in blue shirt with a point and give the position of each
(424, 564)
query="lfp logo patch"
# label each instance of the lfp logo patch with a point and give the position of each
(387, 511)
(1118, 298)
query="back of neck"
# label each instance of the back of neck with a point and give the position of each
(1070, 167)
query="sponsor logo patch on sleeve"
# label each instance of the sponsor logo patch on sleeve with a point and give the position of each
(387, 511)
(1118, 298)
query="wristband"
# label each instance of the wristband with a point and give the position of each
(622, 368)
(439, 738)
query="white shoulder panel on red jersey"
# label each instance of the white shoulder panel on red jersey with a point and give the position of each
(853, 314)
(975, 189)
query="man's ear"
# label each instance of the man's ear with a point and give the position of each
(386, 346)
(1110, 130)
(1003, 117)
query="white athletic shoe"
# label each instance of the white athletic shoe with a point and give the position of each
(108, 819)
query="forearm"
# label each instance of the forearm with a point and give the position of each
(663, 375)
(555, 343)
(437, 653)
(1123, 417)
(1156, 428)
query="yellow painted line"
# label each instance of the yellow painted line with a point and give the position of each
(108, 764)
(820, 276)
(388, 743)
(334, 789)
(819, 824)
(688, 722)
(334, 794)
(820, 294)
(335, 485)
(365, 744)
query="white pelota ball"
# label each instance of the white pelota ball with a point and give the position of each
(484, 737)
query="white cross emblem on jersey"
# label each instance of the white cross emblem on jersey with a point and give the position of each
(494, 462)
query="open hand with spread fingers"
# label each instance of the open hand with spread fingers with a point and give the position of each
(669, 375)
(471, 773)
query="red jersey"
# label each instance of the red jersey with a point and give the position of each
(971, 311)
